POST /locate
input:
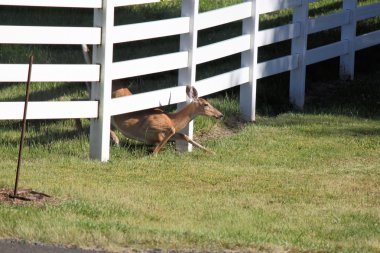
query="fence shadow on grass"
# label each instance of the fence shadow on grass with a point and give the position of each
(44, 130)
(56, 91)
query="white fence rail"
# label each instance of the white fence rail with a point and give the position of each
(54, 3)
(105, 34)
(50, 35)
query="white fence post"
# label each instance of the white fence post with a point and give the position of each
(249, 59)
(299, 47)
(347, 61)
(103, 55)
(186, 76)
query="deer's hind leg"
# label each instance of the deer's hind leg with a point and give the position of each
(114, 138)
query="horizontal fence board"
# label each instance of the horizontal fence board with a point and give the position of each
(55, 3)
(50, 73)
(49, 110)
(149, 65)
(276, 66)
(367, 11)
(222, 49)
(118, 3)
(146, 100)
(222, 82)
(367, 40)
(149, 30)
(177, 94)
(326, 52)
(275, 5)
(49, 35)
(242, 43)
(161, 63)
(224, 15)
(328, 22)
(277, 34)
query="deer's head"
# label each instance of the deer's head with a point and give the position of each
(202, 106)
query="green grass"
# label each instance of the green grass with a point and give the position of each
(295, 181)
(299, 181)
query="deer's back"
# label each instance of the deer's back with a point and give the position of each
(119, 91)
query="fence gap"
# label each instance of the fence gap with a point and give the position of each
(249, 59)
(186, 76)
(347, 61)
(101, 91)
(299, 48)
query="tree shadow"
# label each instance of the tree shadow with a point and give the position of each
(346, 131)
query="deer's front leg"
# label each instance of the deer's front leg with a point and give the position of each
(187, 138)
(167, 137)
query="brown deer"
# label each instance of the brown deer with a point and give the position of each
(155, 127)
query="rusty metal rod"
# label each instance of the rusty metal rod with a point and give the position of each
(23, 126)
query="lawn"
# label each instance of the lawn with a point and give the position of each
(292, 181)
(295, 182)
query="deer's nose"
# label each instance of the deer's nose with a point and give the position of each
(220, 116)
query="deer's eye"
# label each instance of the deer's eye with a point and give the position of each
(205, 105)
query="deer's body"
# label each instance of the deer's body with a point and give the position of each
(142, 125)
(148, 126)
(155, 127)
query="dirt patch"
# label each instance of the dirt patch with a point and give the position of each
(24, 196)
(230, 126)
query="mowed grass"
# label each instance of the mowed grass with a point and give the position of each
(291, 181)
(299, 181)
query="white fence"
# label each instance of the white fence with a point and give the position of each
(104, 35)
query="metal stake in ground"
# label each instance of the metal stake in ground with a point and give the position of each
(23, 127)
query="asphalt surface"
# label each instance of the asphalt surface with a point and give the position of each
(9, 246)
(14, 246)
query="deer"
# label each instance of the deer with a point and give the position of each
(154, 126)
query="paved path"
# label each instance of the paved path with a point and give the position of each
(14, 246)
(10, 246)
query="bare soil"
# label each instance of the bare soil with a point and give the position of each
(230, 126)
(24, 196)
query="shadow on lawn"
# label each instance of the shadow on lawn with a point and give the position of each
(325, 93)
(51, 92)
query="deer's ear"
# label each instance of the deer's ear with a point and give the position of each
(191, 92)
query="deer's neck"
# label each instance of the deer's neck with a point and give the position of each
(183, 117)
